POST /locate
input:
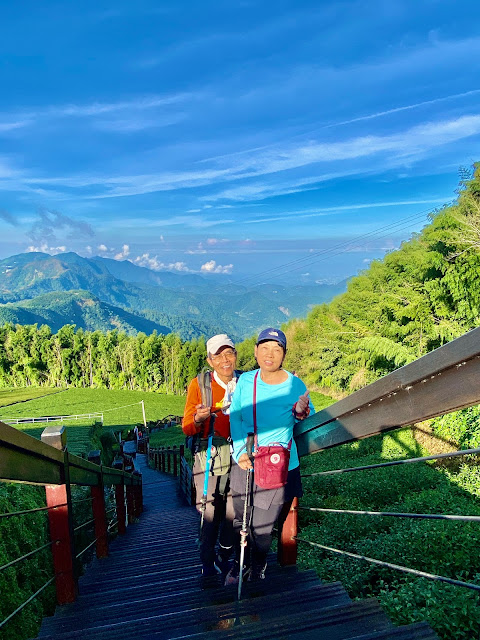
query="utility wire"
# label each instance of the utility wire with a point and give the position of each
(335, 250)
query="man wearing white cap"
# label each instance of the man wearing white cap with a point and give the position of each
(211, 393)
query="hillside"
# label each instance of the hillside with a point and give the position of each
(80, 308)
(122, 295)
(413, 301)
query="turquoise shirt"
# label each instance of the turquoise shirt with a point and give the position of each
(275, 420)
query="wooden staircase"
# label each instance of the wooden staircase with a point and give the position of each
(150, 587)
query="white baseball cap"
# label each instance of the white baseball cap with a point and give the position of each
(217, 342)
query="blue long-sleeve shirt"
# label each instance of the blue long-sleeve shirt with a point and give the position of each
(275, 420)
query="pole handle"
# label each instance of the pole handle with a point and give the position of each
(250, 441)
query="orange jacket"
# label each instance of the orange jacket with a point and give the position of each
(194, 397)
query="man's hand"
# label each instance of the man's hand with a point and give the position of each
(302, 404)
(244, 462)
(201, 414)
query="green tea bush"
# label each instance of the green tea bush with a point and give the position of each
(444, 547)
(460, 427)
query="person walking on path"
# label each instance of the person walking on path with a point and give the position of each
(267, 403)
(206, 410)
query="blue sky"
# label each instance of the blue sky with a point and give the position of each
(302, 138)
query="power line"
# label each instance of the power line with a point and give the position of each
(304, 261)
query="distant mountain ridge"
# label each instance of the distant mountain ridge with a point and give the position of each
(100, 293)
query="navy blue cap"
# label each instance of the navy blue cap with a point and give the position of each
(273, 334)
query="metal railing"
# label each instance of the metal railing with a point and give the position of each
(48, 462)
(440, 382)
(421, 516)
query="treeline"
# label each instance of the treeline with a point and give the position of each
(414, 300)
(34, 356)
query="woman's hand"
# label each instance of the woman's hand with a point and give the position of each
(301, 407)
(244, 462)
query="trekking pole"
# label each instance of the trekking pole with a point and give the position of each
(244, 532)
(203, 502)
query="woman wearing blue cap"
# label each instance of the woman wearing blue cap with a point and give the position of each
(267, 403)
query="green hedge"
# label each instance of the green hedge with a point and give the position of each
(442, 547)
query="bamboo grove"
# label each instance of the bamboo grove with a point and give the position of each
(33, 356)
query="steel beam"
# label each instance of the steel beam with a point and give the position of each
(444, 380)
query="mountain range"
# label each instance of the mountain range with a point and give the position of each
(101, 293)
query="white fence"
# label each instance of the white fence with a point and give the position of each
(80, 416)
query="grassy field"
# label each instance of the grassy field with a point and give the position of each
(14, 395)
(114, 405)
(121, 410)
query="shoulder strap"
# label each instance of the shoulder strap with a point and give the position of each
(205, 383)
(255, 409)
(255, 414)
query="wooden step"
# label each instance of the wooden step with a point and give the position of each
(197, 614)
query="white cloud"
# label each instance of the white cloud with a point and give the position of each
(89, 249)
(392, 150)
(102, 247)
(44, 248)
(212, 267)
(100, 108)
(216, 241)
(123, 253)
(198, 251)
(13, 125)
(152, 262)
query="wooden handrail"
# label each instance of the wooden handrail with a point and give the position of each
(442, 381)
(26, 459)
(48, 462)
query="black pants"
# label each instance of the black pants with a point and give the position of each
(260, 524)
(218, 519)
(263, 510)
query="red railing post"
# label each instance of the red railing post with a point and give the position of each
(61, 522)
(98, 509)
(288, 529)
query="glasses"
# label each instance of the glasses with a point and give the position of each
(228, 353)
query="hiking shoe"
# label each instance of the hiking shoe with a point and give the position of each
(257, 573)
(209, 570)
(233, 575)
(222, 565)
